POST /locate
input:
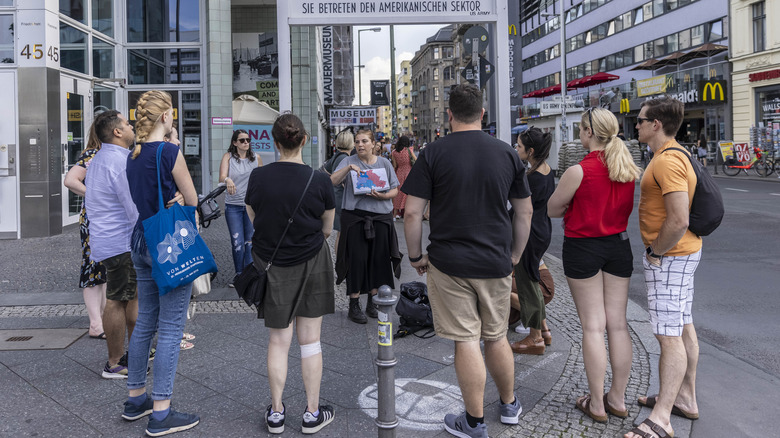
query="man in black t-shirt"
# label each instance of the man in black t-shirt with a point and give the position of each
(468, 177)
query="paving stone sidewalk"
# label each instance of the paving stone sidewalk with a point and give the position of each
(60, 392)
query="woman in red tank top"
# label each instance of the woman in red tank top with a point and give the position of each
(595, 199)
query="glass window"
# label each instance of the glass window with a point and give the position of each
(671, 5)
(671, 43)
(684, 39)
(73, 47)
(435, 74)
(627, 19)
(103, 16)
(638, 16)
(436, 53)
(647, 8)
(436, 94)
(639, 53)
(103, 99)
(7, 39)
(659, 47)
(163, 20)
(6, 2)
(74, 9)
(697, 35)
(611, 62)
(759, 31)
(716, 31)
(102, 59)
(658, 7)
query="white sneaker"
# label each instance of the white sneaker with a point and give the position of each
(520, 329)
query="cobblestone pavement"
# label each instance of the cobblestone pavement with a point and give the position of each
(547, 385)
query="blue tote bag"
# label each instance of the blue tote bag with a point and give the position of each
(179, 254)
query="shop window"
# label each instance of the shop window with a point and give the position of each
(163, 20)
(102, 59)
(759, 31)
(174, 66)
(73, 48)
(716, 31)
(7, 51)
(74, 9)
(103, 16)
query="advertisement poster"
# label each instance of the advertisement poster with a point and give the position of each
(255, 60)
(192, 145)
(726, 149)
(261, 140)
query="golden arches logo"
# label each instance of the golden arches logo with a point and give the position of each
(713, 88)
(512, 29)
(625, 106)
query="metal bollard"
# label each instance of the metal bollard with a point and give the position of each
(386, 419)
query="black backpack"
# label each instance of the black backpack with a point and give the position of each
(707, 205)
(415, 311)
(332, 162)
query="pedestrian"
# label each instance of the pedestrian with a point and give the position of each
(595, 198)
(300, 279)
(345, 145)
(164, 315)
(367, 255)
(533, 146)
(670, 260)
(92, 278)
(701, 150)
(403, 159)
(112, 215)
(234, 169)
(468, 177)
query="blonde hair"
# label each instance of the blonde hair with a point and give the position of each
(618, 159)
(148, 112)
(345, 141)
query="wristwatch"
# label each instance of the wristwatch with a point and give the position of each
(650, 252)
(415, 259)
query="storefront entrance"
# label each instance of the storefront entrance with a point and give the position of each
(77, 115)
(9, 180)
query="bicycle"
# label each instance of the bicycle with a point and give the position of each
(760, 164)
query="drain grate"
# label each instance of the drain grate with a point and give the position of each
(39, 339)
(18, 339)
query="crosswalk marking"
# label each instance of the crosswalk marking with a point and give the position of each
(775, 194)
(736, 190)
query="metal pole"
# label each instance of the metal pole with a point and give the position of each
(564, 127)
(360, 76)
(386, 420)
(394, 104)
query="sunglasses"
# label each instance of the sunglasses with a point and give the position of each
(243, 140)
(642, 120)
(590, 118)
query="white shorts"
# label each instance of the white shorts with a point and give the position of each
(670, 292)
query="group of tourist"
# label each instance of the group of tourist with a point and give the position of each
(489, 226)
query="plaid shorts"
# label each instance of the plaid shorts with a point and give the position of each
(670, 292)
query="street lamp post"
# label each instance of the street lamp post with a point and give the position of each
(360, 76)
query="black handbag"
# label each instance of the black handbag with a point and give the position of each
(252, 282)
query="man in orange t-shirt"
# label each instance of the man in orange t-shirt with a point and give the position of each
(670, 260)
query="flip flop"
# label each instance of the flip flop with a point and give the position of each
(100, 336)
(613, 411)
(188, 336)
(186, 345)
(659, 431)
(676, 410)
(583, 404)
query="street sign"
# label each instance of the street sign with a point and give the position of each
(379, 93)
(475, 34)
(486, 71)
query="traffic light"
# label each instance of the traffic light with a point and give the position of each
(437, 133)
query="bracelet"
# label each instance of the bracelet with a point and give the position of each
(415, 259)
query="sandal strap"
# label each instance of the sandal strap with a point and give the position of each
(657, 429)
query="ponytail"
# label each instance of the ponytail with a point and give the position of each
(541, 143)
(618, 159)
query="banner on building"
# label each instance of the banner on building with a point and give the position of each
(713, 92)
(352, 116)
(255, 60)
(408, 9)
(268, 92)
(654, 85)
(327, 65)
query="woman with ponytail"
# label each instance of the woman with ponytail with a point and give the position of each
(165, 314)
(595, 198)
(533, 146)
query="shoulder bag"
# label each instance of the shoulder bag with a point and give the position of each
(252, 282)
(179, 254)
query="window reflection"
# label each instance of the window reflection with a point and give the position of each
(102, 59)
(6, 39)
(174, 66)
(103, 16)
(163, 20)
(73, 48)
(73, 9)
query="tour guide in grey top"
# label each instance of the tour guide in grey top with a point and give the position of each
(239, 174)
(363, 202)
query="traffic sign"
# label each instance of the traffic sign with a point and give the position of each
(379, 93)
(486, 71)
(475, 34)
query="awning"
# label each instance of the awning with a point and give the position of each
(675, 58)
(704, 51)
(587, 81)
(650, 64)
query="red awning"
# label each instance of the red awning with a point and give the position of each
(587, 81)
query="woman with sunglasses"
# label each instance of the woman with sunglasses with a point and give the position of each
(234, 170)
(595, 199)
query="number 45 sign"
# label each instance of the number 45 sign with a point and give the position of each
(38, 39)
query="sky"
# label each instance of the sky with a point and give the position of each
(375, 51)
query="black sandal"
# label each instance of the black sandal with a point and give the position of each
(657, 430)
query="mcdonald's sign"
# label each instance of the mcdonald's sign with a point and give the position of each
(512, 29)
(625, 106)
(712, 92)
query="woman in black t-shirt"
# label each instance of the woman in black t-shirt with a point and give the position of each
(300, 280)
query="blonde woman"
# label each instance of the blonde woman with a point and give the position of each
(161, 314)
(595, 199)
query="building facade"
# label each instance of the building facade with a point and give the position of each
(64, 61)
(434, 71)
(404, 98)
(755, 57)
(384, 120)
(652, 47)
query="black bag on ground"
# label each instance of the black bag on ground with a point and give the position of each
(251, 284)
(414, 310)
(707, 205)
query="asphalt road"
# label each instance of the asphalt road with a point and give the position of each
(736, 302)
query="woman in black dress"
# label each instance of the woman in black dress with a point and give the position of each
(533, 146)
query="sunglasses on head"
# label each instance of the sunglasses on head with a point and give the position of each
(590, 118)
(243, 140)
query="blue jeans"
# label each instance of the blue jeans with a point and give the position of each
(241, 231)
(165, 315)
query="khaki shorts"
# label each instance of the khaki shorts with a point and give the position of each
(120, 278)
(469, 309)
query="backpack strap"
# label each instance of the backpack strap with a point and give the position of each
(674, 149)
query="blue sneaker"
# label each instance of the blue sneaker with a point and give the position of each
(458, 426)
(174, 422)
(510, 412)
(275, 420)
(133, 412)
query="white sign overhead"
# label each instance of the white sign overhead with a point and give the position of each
(399, 11)
(352, 116)
(553, 107)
